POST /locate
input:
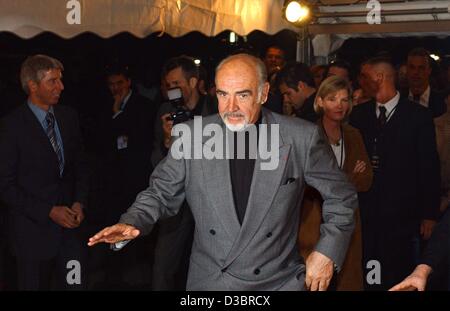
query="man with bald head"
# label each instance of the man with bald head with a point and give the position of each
(246, 213)
(403, 201)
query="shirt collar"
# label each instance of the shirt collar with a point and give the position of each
(125, 100)
(39, 112)
(390, 104)
(424, 98)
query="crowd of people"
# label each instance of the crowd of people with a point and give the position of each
(365, 180)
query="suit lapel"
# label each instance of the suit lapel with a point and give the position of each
(392, 127)
(60, 119)
(265, 184)
(36, 127)
(373, 119)
(40, 134)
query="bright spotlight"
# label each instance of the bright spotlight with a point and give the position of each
(297, 12)
(232, 37)
(197, 62)
(435, 57)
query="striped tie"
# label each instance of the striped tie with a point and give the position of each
(50, 118)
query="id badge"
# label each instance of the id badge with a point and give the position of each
(122, 142)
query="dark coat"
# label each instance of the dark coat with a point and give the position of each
(30, 183)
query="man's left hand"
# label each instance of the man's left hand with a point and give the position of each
(77, 207)
(319, 270)
(426, 228)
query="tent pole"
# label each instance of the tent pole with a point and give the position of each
(303, 46)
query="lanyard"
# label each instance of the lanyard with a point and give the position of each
(390, 113)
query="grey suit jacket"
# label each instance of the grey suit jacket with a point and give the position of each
(262, 253)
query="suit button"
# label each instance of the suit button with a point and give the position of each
(269, 234)
(212, 231)
(257, 271)
(224, 270)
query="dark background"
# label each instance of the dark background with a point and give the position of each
(86, 56)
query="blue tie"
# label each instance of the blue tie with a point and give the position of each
(50, 118)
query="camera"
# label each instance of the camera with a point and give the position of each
(181, 114)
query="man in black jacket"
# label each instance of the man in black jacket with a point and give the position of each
(127, 137)
(124, 142)
(403, 202)
(43, 181)
(296, 85)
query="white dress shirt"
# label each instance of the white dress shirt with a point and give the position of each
(389, 105)
(424, 98)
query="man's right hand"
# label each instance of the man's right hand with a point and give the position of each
(117, 233)
(167, 125)
(416, 280)
(64, 216)
(118, 100)
(360, 167)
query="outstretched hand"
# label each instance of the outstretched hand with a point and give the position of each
(415, 281)
(117, 233)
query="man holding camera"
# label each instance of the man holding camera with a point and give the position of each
(174, 239)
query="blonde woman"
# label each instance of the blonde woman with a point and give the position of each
(333, 104)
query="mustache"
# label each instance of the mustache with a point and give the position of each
(233, 115)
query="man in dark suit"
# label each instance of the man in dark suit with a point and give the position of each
(126, 134)
(125, 138)
(418, 72)
(43, 181)
(296, 85)
(403, 201)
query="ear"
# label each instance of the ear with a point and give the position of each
(265, 92)
(319, 101)
(301, 85)
(193, 82)
(380, 77)
(32, 86)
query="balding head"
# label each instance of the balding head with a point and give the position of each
(241, 89)
(247, 60)
(382, 68)
(385, 69)
(378, 77)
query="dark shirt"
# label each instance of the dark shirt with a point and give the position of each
(307, 112)
(241, 172)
